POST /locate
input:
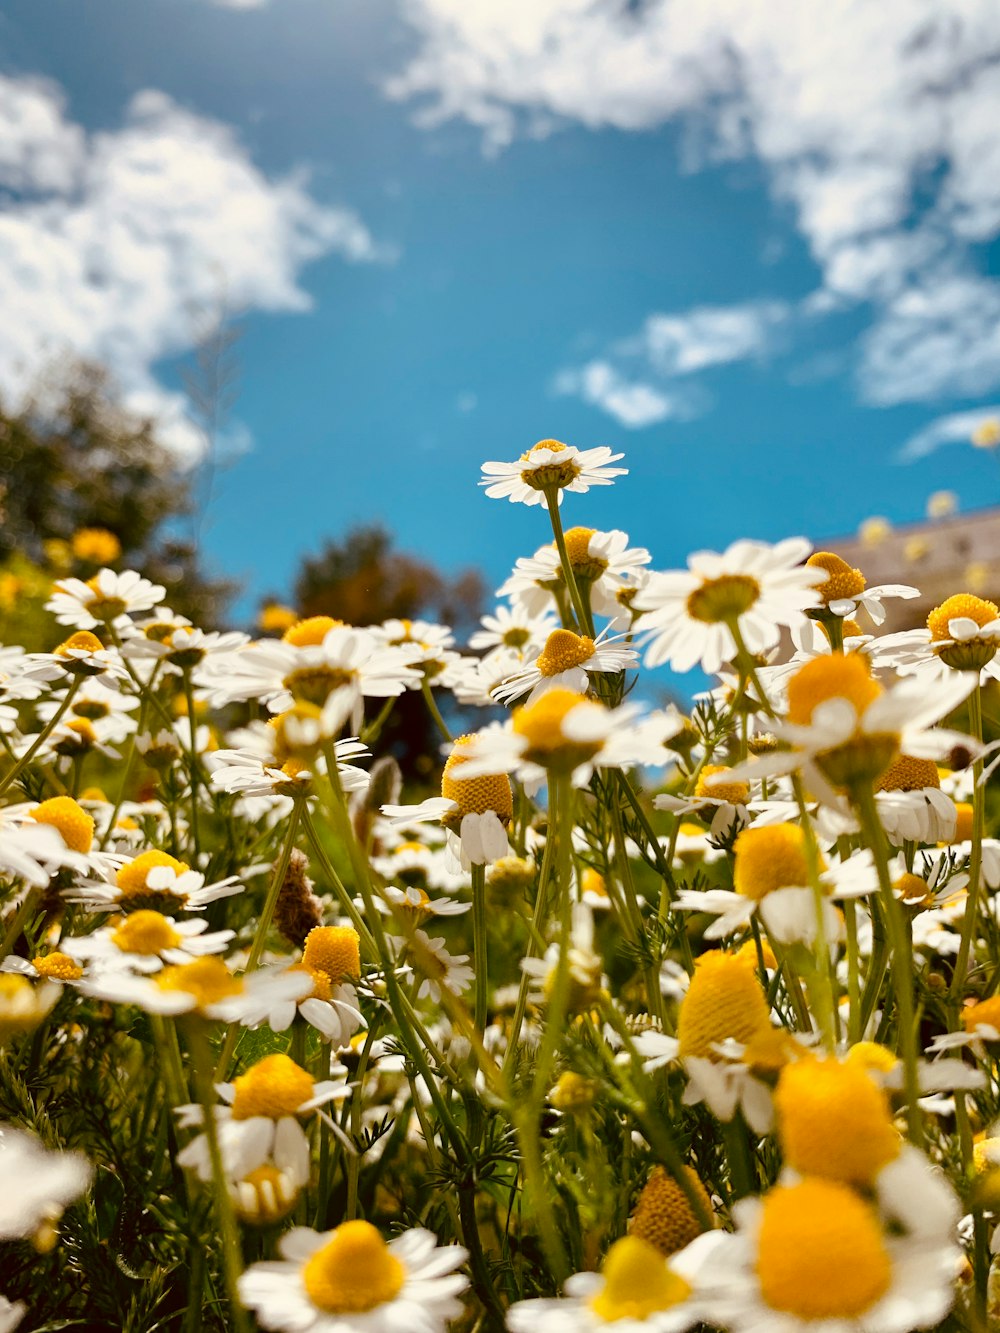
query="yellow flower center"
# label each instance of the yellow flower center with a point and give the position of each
(906, 773)
(724, 598)
(962, 606)
(769, 858)
(207, 979)
(101, 607)
(986, 1012)
(276, 619)
(842, 580)
(81, 641)
(541, 725)
(322, 985)
(353, 1272)
(58, 966)
(870, 1055)
(274, 1087)
(131, 879)
(315, 684)
(72, 821)
(474, 796)
(311, 632)
(821, 1253)
(585, 565)
(78, 734)
(564, 650)
(913, 891)
(824, 678)
(574, 1092)
(963, 822)
(663, 1217)
(516, 637)
(724, 999)
(334, 950)
(834, 1121)
(592, 881)
(145, 932)
(637, 1282)
(97, 546)
(265, 1196)
(556, 474)
(770, 1049)
(736, 793)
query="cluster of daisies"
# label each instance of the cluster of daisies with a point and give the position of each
(645, 1018)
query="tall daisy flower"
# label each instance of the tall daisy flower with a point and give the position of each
(565, 663)
(550, 466)
(604, 566)
(351, 1281)
(38, 1185)
(146, 941)
(512, 629)
(156, 880)
(761, 588)
(962, 634)
(106, 599)
(845, 590)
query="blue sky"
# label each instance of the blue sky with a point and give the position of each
(757, 253)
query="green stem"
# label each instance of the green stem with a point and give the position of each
(584, 617)
(19, 921)
(39, 740)
(479, 955)
(193, 763)
(435, 712)
(971, 919)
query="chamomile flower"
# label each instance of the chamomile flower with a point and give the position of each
(38, 1185)
(430, 647)
(585, 965)
(332, 961)
(156, 880)
(146, 941)
(106, 599)
(108, 711)
(184, 648)
(721, 802)
(260, 1116)
(962, 635)
(24, 1004)
(512, 629)
(475, 812)
(564, 663)
(911, 805)
(604, 566)
(83, 654)
(351, 1281)
(203, 986)
(638, 1290)
(434, 964)
(845, 590)
(33, 851)
(553, 467)
(761, 588)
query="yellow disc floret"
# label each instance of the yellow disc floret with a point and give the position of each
(208, 980)
(963, 606)
(311, 632)
(72, 821)
(832, 676)
(770, 857)
(906, 773)
(842, 580)
(97, 546)
(585, 565)
(984, 1014)
(821, 1252)
(563, 651)
(274, 1087)
(475, 796)
(637, 1283)
(736, 793)
(724, 598)
(265, 1195)
(334, 950)
(834, 1121)
(353, 1272)
(81, 642)
(555, 473)
(57, 966)
(131, 878)
(724, 999)
(541, 724)
(145, 932)
(663, 1216)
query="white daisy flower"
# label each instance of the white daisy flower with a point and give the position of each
(11, 1314)
(432, 961)
(83, 654)
(564, 663)
(145, 941)
(261, 1116)
(429, 647)
(638, 1290)
(204, 986)
(550, 466)
(184, 647)
(157, 880)
(845, 589)
(962, 635)
(38, 1184)
(722, 803)
(512, 629)
(586, 967)
(414, 904)
(350, 1281)
(475, 812)
(106, 599)
(24, 1004)
(474, 680)
(107, 710)
(607, 570)
(763, 588)
(33, 852)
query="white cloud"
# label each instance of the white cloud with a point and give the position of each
(113, 246)
(647, 378)
(956, 428)
(876, 121)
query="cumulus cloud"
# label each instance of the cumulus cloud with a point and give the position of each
(875, 122)
(114, 245)
(647, 378)
(955, 428)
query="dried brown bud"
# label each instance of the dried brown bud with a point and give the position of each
(298, 910)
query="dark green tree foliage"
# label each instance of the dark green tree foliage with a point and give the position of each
(74, 457)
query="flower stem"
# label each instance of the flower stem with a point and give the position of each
(586, 620)
(971, 918)
(39, 740)
(479, 946)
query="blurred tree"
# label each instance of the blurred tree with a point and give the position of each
(74, 460)
(363, 581)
